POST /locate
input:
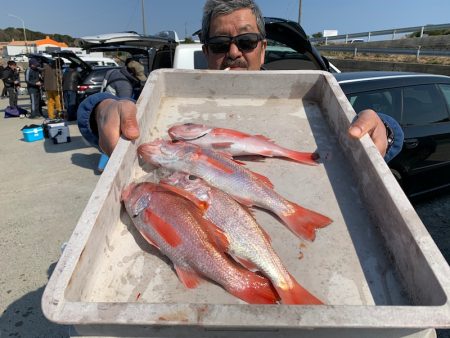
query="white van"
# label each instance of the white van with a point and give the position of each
(99, 61)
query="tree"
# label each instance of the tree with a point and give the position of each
(318, 35)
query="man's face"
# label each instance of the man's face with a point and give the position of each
(238, 22)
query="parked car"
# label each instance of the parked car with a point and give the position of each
(99, 61)
(421, 104)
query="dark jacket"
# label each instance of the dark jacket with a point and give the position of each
(32, 75)
(10, 76)
(121, 83)
(71, 78)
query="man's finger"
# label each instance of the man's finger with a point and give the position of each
(128, 122)
(108, 134)
(366, 122)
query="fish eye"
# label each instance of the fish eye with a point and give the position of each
(192, 177)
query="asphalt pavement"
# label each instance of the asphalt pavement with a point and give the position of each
(43, 191)
(44, 188)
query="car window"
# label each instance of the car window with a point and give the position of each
(386, 101)
(446, 92)
(423, 104)
(281, 57)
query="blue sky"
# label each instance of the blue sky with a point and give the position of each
(89, 17)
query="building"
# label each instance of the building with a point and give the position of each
(39, 46)
(48, 44)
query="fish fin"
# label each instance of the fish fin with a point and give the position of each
(246, 263)
(221, 145)
(164, 229)
(202, 205)
(263, 179)
(189, 278)
(263, 138)
(228, 132)
(258, 290)
(216, 164)
(217, 235)
(304, 222)
(239, 162)
(297, 295)
(252, 158)
(304, 158)
(263, 231)
(230, 157)
(266, 235)
(150, 240)
(243, 201)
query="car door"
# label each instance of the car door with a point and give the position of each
(426, 151)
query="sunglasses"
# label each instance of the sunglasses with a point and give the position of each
(244, 42)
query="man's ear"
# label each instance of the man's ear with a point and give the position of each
(263, 50)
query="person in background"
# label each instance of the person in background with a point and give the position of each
(2, 83)
(223, 21)
(126, 82)
(53, 87)
(11, 80)
(34, 84)
(71, 79)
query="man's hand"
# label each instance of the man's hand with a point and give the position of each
(115, 118)
(368, 122)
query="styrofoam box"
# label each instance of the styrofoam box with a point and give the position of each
(376, 267)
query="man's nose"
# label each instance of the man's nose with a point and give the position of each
(234, 51)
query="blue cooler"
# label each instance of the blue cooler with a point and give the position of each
(33, 134)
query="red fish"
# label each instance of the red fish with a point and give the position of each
(248, 243)
(245, 186)
(177, 228)
(236, 143)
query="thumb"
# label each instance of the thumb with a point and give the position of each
(128, 121)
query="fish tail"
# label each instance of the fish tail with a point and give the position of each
(258, 291)
(297, 294)
(305, 158)
(304, 222)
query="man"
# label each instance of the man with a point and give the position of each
(125, 82)
(11, 80)
(71, 79)
(34, 83)
(223, 24)
(53, 88)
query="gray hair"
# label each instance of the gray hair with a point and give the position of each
(214, 8)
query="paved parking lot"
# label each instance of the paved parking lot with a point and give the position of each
(44, 188)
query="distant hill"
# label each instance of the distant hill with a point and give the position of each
(10, 33)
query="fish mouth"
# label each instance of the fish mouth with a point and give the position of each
(150, 148)
(190, 131)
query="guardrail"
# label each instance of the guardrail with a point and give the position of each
(401, 51)
(392, 32)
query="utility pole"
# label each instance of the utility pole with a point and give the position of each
(299, 11)
(24, 34)
(143, 18)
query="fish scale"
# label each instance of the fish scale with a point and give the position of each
(176, 227)
(246, 187)
(247, 241)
